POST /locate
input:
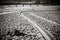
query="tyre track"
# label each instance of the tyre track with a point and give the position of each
(52, 30)
(41, 30)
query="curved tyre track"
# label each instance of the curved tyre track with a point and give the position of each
(51, 28)
(41, 30)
